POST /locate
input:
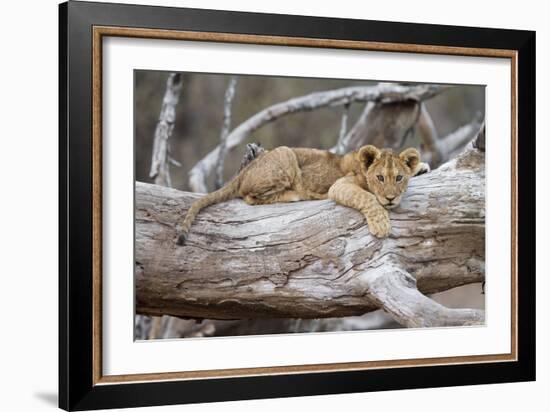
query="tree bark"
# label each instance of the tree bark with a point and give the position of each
(396, 291)
(389, 124)
(160, 172)
(342, 142)
(315, 259)
(450, 145)
(382, 93)
(228, 100)
(160, 163)
(428, 133)
(382, 125)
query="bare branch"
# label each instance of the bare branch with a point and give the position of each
(253, 150)
(382, 125)
(428, 133)
(479, 141)
(229, 94)
(383, 93)
(342, 144)
(142, 327)
(310, 259)
(396, 293)
(160, 164)
(455, 142)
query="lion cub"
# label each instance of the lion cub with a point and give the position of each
(369, 180)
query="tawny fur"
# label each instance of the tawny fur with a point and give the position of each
(369, 180)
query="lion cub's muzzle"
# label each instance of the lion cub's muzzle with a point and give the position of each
(390, 202)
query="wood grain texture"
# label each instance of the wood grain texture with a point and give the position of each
(242, 38)
(160, 163)
(309, 259)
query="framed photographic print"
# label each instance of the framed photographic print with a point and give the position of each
(257, 205)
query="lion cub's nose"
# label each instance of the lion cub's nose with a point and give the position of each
(390, 198)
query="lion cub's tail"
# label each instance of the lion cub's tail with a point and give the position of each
(227, 192)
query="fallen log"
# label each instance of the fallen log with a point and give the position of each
(315, 259)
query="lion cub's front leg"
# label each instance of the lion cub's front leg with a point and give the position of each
(347, 193)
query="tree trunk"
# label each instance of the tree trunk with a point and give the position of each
(315, 259)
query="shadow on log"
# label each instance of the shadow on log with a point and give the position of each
(315, 259)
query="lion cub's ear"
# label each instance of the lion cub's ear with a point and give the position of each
(411, 157)
(367, 155)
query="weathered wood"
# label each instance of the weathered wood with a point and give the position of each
(160, 163)
(343, 143)
(381, 93)
(382, 125)
(428, 133)
(311, 259)
(252, 151)
(396, 292)
(479, 141)
(227, 101)
(147, 327)
(389, 124)
(453, 143)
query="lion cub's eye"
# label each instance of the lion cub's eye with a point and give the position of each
(380, 178)
(398, 178)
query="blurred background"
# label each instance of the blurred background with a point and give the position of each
(203, 102)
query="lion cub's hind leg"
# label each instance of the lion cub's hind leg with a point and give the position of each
(272, 179)
(276, 178)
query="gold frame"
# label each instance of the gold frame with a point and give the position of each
(101, 31)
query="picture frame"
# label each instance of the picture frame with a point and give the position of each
(83, 27)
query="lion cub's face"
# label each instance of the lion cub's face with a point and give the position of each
(387, 173)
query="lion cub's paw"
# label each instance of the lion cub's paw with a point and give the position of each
(422, 168)
(379, 222)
